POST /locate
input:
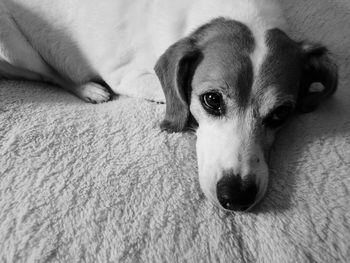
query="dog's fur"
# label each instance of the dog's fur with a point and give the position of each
(237, 50)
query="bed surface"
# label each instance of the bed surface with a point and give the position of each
(101, 183)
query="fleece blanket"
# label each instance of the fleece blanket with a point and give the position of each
(101, 183)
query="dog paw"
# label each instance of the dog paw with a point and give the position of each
(94, 93)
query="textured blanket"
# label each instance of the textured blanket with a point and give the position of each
(101, 183)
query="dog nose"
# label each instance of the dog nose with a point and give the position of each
(236, 194)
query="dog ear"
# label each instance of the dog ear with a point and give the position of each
(175, 70)
(318, 68)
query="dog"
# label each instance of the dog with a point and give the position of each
(226, 68)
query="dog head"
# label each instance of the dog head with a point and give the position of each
(216, 81)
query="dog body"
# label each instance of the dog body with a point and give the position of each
(71, 44)
(227, 64)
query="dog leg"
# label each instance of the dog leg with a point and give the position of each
(90, 92)
(138, 85)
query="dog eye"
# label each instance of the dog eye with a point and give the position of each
(278, 116)
(212, 102)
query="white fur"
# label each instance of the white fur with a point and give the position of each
(217, 150)
(117, 40)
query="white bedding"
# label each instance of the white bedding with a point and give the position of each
(101, 183)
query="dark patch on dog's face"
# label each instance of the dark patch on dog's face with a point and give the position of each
(276, 86)
(281, 68)
(284, 79)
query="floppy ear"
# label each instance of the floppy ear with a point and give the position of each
(318, 67)
(175, 70)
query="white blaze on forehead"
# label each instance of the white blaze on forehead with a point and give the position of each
(258, 15)
(259, 53)
(266, 15)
